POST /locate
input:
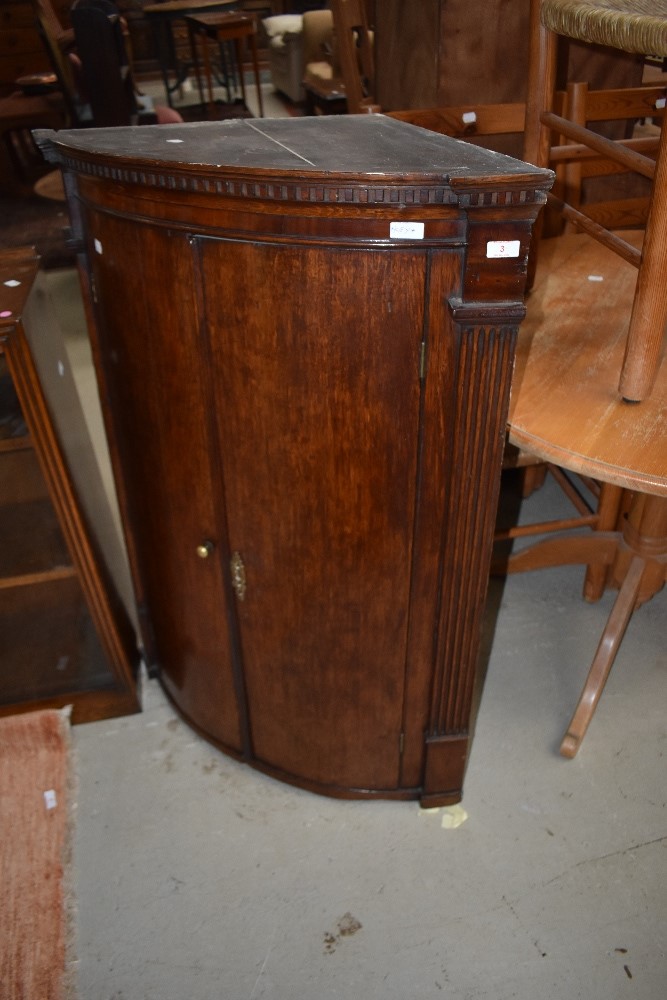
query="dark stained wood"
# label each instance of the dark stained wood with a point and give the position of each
(449, 52)
(65, 637)
(306, 418)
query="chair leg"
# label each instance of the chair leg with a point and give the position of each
(604, 657)
(649, 310)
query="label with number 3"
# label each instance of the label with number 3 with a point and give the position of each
(503, 248)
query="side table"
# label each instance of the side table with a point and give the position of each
(163, 17)
(222, 28)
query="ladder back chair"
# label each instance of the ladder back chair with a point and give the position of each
(354, 42)
(638, 26)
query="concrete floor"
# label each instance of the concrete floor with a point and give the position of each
(200, 879)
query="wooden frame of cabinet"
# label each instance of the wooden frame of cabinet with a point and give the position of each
(304, 331)
(65, 637)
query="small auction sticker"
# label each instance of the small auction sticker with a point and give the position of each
(503, 248)
(406, 230)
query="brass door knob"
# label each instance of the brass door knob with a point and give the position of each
(204, 549)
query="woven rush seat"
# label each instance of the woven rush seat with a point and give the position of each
(630, 25)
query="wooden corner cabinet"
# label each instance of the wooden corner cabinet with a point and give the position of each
(65, 636)
(304, 333)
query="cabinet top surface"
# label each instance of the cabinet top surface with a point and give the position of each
(349, 146)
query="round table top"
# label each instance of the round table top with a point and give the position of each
(565, 406)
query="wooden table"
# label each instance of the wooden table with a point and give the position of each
(163, 16)
(222, 28)
(565, 409)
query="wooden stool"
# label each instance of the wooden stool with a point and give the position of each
(564, 410)
(225, 28)
(638, 26)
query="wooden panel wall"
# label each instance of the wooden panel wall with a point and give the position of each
(432, 53)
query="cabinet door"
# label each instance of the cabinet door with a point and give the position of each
(156, 382)
(315, 358)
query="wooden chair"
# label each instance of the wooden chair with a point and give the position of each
(599, 506)
(322, 78)
(105, 93)
(355, 52)
(63, 35)
(104, 67)
(58, 45)
(638, 26)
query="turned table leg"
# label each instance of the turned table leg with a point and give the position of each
(645, 540)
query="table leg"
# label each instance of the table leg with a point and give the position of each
(164, 45)
(255, 64)
(238, 48)
(645, 538)
(604, 658)
(195, 61)
(207, 70)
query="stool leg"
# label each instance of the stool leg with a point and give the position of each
(649, 311)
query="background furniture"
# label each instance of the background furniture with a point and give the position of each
(223, 29)
(20, 163)
(354, 42)
(21, 52)
(65, 637)
(106, 95)
(565, 410)
(322, 77)
(439, 53)
(165, 18)
(639, 27)
(307, 431)
(284, 34)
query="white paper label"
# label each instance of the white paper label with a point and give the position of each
(503, 248)
(50, 800)
(98, 246)
(406, 230)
